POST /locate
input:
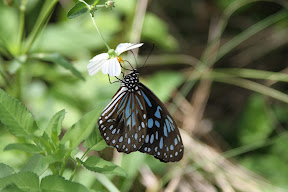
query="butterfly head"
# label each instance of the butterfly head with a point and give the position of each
(131, 81)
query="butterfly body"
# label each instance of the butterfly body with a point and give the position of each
(136, 120)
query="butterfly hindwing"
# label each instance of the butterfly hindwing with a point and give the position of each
(122, 123)
(136, 120)
(162, 139)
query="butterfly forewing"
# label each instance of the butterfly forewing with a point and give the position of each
(122, 123)
(136, 119)
(162, 139)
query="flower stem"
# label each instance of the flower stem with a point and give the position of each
(99, 32)
(94, 23)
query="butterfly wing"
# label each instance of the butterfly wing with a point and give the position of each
(162, 139)
(122, 123)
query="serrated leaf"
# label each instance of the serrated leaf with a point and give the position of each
(91, 140)
(78, 9)
(25, 181)
(5, 170)
(60, 60)
(54, 127)
(100, 165)
(95, 141)
(29, 148)
(16, 117)
(81, 130)
(55, 183)
(100, 146)
(36, 164)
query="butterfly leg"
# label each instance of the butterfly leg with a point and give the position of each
(113, 81)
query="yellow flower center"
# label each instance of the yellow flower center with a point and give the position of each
(120, 60)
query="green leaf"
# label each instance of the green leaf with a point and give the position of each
(16, 117)
(11, 188)
(5, 170)
(95, 141)
(92, 140)
(60, 60)
(55, 183)
(36, 164)
(82, 129)
(255, 123)
(54, 127)
(25, 181)
(100, 146)
(78, 9)
(29, 148)
(99, 165)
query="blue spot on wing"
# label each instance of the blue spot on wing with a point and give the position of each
(157, 123)
(146, 99)
(157, 113)
(128, 109)
(165, 130)
(133, 119)
(161, 143)
(150, 123)
(139, 102)
(168, 125)
(132, 103)
(122, 103)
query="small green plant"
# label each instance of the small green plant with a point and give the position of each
(57, 156)
(50, 152)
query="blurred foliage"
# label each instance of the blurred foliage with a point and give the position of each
(47, 73)
(255, 123)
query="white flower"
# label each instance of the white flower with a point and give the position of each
(110, 62)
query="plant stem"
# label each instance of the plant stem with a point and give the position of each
(78, 164)
(94, 23)
(21, 25)
(67, 155)
(44, 14)
(86, 152)
(75, 169)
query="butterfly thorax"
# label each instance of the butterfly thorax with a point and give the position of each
(131, 81)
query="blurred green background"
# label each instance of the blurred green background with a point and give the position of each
(197, 68)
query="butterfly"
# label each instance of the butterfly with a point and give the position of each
(136, 120)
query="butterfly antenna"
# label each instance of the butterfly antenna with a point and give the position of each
(134, 59)
(153, 45)
(130, 65)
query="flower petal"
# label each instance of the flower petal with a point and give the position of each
(112, 67)
(115, 68)
(122, 47)
(105, 67)
(94, 66)
(102, 56)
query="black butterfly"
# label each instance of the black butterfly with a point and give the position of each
(136, 120)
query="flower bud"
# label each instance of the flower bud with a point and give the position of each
(109, 4)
